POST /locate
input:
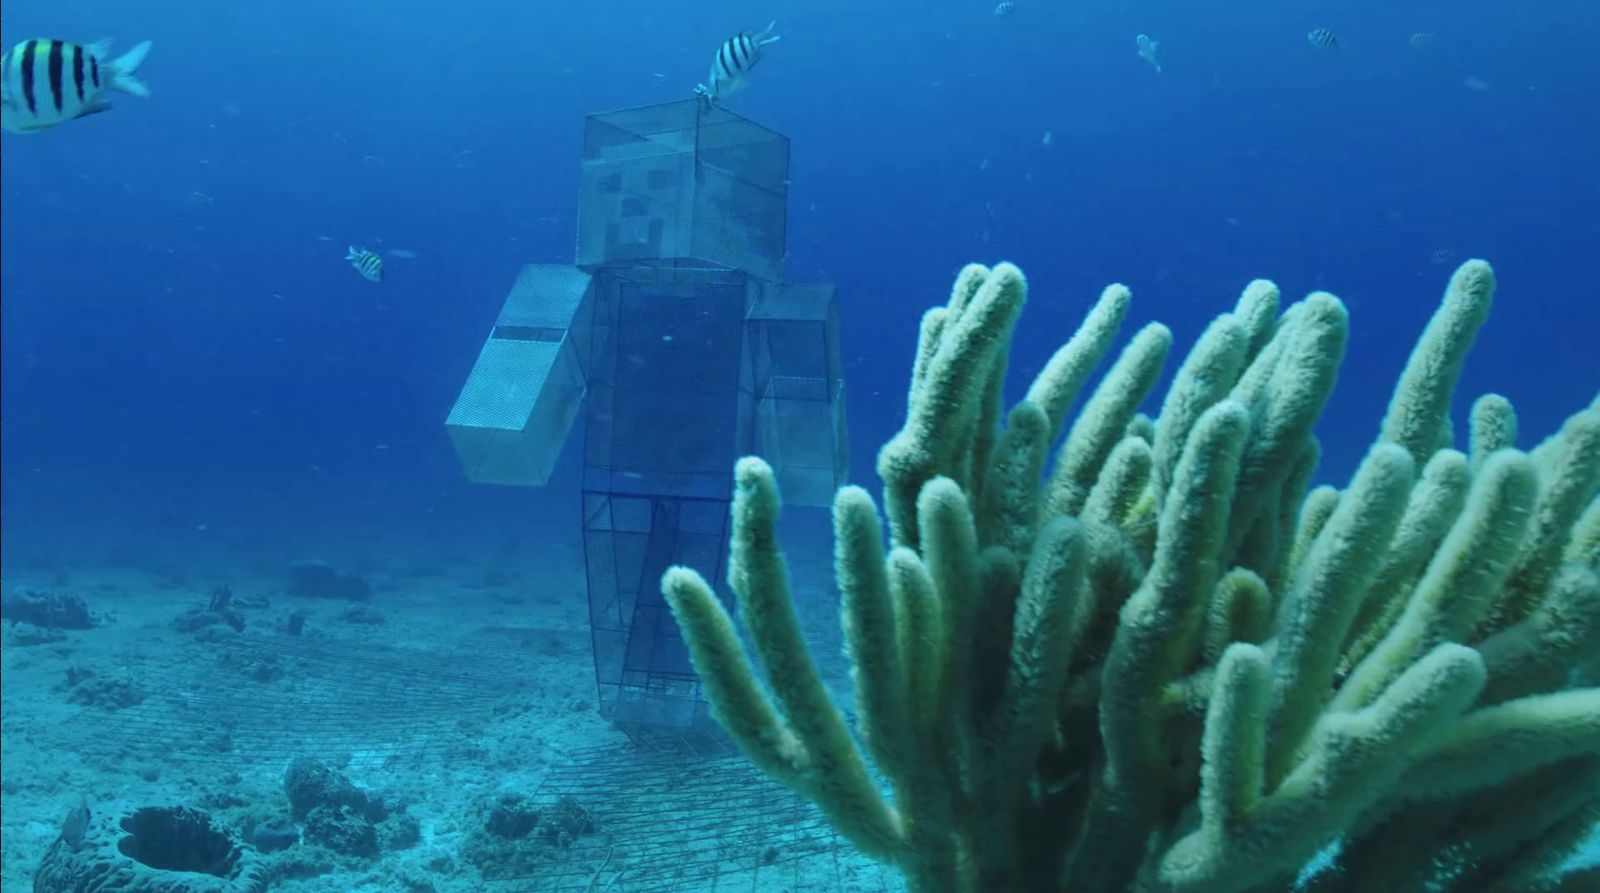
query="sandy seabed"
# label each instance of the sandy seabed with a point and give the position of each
(460, 700)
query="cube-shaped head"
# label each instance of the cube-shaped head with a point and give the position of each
(517, 407)
(685, 184)
(799, 386)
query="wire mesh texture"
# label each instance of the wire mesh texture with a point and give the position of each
(663, 819)
(659, 815)
(267, 700)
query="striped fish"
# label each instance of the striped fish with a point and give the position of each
(1005, 8)
(48, 82)
(737, 55)
(367, 263)
(1323, 38)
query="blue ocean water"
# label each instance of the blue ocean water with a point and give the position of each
(187, 357)
(189, 367)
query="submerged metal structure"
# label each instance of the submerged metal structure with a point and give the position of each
(676, 342)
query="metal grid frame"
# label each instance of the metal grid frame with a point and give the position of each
(375, 703)
(669, 818)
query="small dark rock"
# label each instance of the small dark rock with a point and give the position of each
(219, 609)
(304, 863)
(440, 862)
(365, 615)
(316, 579)
(221, 600)
(267, 669)
(224, 800)
(551, 644)
(86, 688)
(343, 830)
(263, 668)
(25, 634)
(50, 610)
(192, 620)
(399, 832)
(276, 835)
(512, 817)
(296, 623)
(310, 785)
(566, 823)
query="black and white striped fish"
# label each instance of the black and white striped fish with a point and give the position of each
(1323, 38)
(366, 262)
(737, 55)
(1005, 8)
(48, 82)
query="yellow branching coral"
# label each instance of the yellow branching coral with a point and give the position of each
(1159, 663)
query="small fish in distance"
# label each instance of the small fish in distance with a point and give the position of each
(737, 55)
(1005, 8)
(367, 263)
(1323, 39)
(48, 82)
(1148, 49)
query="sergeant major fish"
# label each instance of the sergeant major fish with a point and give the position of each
(1323, 39)
(367, 263)
(737, 55)
(47, 82)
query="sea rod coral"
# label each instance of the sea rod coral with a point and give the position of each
(1165, 663)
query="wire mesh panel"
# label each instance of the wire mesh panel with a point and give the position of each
(687, 351)
(642, 667)
(263, 701)
(683, 183)
(798, 377)
(657, 814)
(670, 407)
(512, 417)
(669, 412)
(661, 820)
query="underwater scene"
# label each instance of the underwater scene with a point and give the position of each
(974, 446)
